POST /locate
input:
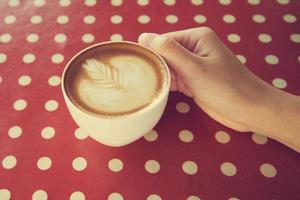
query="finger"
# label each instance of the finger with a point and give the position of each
(182, 61)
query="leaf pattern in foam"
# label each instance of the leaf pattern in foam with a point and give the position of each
(105, 75)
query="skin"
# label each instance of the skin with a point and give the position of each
(203, 68)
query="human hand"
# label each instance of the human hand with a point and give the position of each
(203, 68)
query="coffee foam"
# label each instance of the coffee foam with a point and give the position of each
(115, 79)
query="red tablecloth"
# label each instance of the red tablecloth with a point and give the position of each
(188, 156)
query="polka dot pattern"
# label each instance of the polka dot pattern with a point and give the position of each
(20, 104)
(79, 164)
(48, 132)
(152, 166)
(171, 19)
(9, 162)
(190, 167)
(115, 196)
(222, 137)
(228, 169)
(151, 136)
(44, 163)
(268, 170)
(38, 137)
(115, 165)
(51, 105)
(15, 132)
(77, 196)
(182, 107)
(40, 195)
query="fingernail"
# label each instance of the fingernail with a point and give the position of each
(146, 38)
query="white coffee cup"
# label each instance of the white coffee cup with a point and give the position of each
(124, 129)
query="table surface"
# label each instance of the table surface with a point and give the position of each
(188, 156)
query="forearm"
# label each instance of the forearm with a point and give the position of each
(279, 118)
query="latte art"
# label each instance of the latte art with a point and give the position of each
(115, 81)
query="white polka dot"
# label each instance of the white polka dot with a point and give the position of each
(44, 163)
(116, 19)
(222, 137)
(39, 3)
(79, 163)
(193, 197)
(40, 195)
(152, 166)
(268, 170)
(199, 19)
(62, 19)
(20, 104)
(64, 3)
(298, 59)
(10, 19)
(1, 79)
(197, 2)
(272, 59)
(144, 19)
(259, 139)
(228, 169)
(182, 107)
(77, 196)
(283, 2)
(254, 2)
(190, 167)
(5, 38)
(115, 165)
(258, 18)
(60, 38)
(170, 2)
(228, 18)
(186, 136)
(36, 19)
(57, 58)
(279, 83)
(3, 57)
(15, 132)
(234, 38)
(115, 196)
(13, 3)
(116, 2)
(225, 2)
(9, 162)
(242, 58)
(80, 134)
(24, 80)
(233, 198)
(88, 38)
(171, 19)
(264, 38)
(151, 136)
(51, 105)
(89, 19)
(90, 2)
(116, 37)
(28, 58)
(295, 38)
(153, 197)
(48, 132)
(32, 38)
(142, 2)
(4, 194)
(54, 80)
(289, 18)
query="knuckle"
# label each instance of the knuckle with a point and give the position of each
(206, 31)
(166, 43)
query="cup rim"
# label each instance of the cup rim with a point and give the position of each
(156, 100)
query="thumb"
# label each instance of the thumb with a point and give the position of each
(182, 61)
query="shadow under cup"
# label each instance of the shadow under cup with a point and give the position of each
(115, 128)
